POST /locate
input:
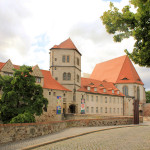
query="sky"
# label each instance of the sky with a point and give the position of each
(29, 28)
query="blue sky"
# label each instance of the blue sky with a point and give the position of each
(29, 29)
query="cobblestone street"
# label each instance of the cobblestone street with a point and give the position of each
(130, 138)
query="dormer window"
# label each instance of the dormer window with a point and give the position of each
(38, 80)
(113, 91)
(95, 89)
(118, 92)
(125, 78)
(101, 85)
(138, 80)
(104, 90)
(88, 88)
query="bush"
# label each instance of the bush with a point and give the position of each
(23, 118)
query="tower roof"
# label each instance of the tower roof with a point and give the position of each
(67, 44)
(118, 70)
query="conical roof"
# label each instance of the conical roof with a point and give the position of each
(118, 70)
(67, 44)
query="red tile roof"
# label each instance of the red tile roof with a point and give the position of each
(50, 82)
(118, 70)
(67, 44)
(1, 65)
(92, 83)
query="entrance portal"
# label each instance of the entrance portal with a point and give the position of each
(72, 108)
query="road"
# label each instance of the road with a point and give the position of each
(129, 138)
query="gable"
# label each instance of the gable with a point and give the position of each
(37, 72)
(7, 67)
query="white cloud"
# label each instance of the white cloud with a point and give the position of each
(29, 28)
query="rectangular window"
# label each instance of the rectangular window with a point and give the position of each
(56, 78)
(121, 110)
(54, 93)
(78, 78)
(105, 109)
(118, 110)
(96, 98)
(63, 58)
(118, 100)
(104, 90)
(105, 99)
(95, 89)
(49, 93)
(114, 110)
(101, 99)
(38, 80)
(101, 109)
(96, 109)
(92, 109)
(88, 88)
(68, 58)
(121, 100)
(114, 100)
(87, 109)
(109, 99)
(87, 98)
(110, 110)
(92, 98)
(78, 61)
(55, 59)
(8, 74)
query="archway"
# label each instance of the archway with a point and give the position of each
(72, 108)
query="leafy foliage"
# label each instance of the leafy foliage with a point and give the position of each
(126, 23)
(23, 118)
(147, 96)
(21, 96)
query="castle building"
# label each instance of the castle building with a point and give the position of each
(109, 91)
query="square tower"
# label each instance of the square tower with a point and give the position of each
(65, 64)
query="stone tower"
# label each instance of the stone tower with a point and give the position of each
(65, 65)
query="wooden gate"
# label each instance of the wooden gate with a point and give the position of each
(136, 111)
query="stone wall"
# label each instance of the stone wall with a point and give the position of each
(146, 109)
(16, 132)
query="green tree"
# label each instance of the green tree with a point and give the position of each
(126, 23)
(22, 99)
(147, 96)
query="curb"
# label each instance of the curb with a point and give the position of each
(69, 137)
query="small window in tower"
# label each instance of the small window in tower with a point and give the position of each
(56, 78)
(64, 76)
(55, 59)
(78, 78)
(69, 76)
(68, 58)
(78, 61)
(63, 58)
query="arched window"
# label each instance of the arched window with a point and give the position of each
(69, 76)
(138, 93)
(64, 76)
(125, 90)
